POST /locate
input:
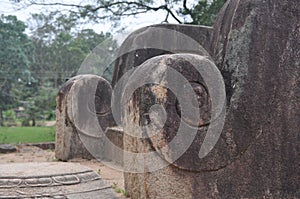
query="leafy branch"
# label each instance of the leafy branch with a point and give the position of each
(115, 9)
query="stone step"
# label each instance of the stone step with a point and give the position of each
(52, 180)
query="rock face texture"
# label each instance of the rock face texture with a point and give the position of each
(51, 180)
(83, 114)
(255, 45)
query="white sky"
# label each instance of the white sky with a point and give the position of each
(131, 23)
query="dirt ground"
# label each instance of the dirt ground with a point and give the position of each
(35, 154)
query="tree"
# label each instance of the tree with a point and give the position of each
(61, 48)
(201, 11)
(15, 58)
(204, 12)
(24, 93)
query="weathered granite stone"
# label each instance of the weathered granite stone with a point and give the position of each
(83, 114)
(7, 148)
(256, 47)
(160, 39)
(51, 180)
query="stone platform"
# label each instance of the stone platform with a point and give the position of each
(52, 180)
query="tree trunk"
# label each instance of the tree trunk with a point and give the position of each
(1, 116)
(33, 121)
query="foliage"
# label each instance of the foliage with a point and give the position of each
(16, 135)
(15, 58)
(9, 114)
(10, 118)
(60, 48)
(203, 13)
(119, 190)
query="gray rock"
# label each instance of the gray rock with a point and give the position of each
(7, 148)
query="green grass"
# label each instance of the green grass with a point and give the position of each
(119, 190)
(17, 135)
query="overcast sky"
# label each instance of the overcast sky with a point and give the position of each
(131, 23)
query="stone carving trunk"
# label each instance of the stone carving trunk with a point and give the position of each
(175, 136)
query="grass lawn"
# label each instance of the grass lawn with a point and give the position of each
(16, 135)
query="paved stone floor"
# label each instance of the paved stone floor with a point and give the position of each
(34, 154)
(52, 180)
